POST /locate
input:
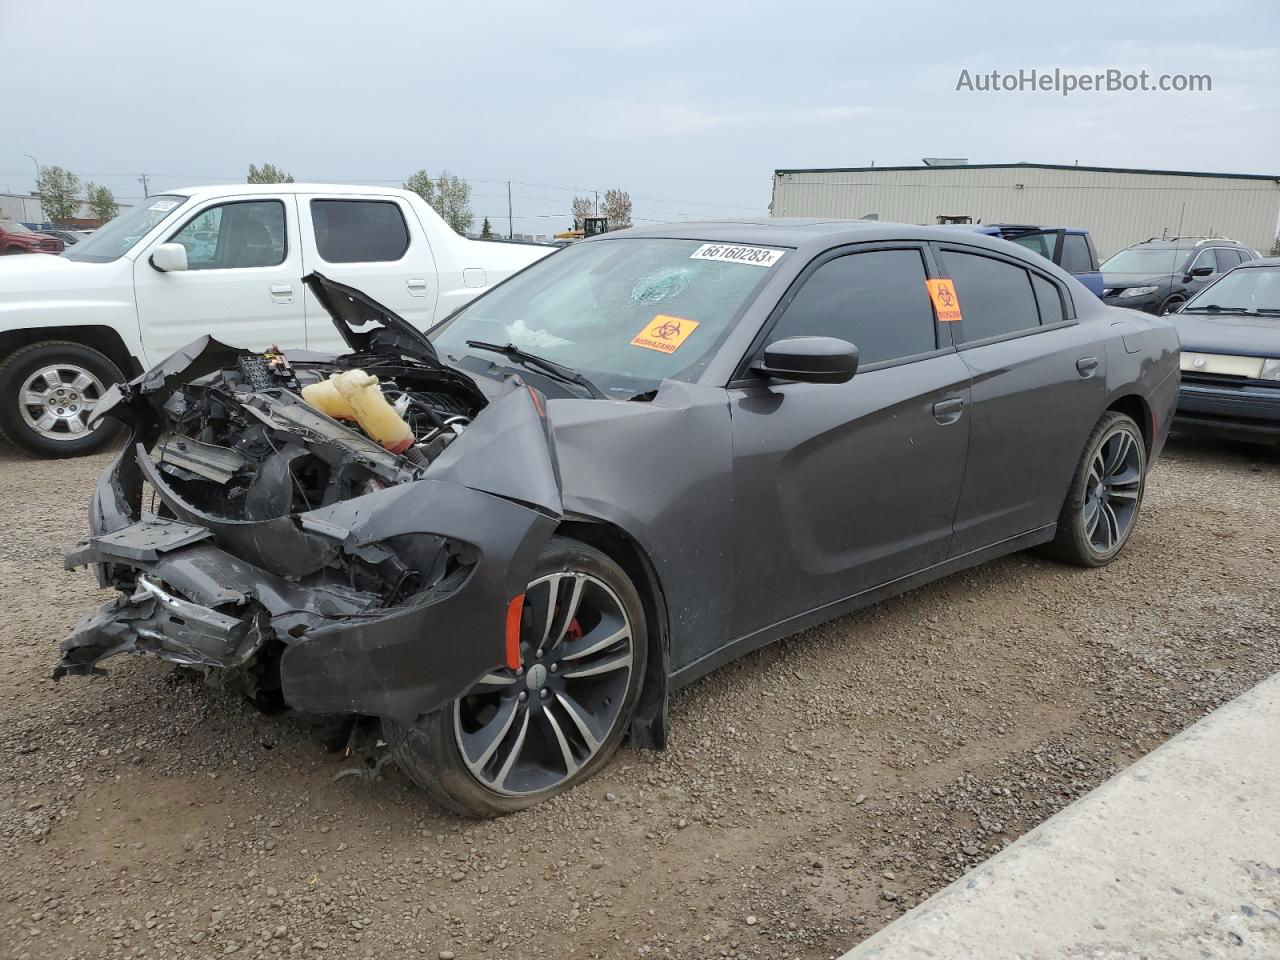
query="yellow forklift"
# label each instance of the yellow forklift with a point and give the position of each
(589, 227)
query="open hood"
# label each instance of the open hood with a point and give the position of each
(352, 310)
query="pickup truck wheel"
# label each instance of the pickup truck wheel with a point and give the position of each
(48, 390)
(518, 737)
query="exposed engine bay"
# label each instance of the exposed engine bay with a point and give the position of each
(341, 535)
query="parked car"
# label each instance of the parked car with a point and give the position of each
(19, 238)
(1071, 248)
(1157, 276)
(226, 260)
(68, 237)
(645, 455)
(1231, 355)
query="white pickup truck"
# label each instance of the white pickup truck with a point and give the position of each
(227, 261)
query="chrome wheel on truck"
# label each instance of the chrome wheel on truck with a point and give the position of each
(520, 736)
(48, 391)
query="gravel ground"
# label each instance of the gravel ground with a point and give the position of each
(813, 791)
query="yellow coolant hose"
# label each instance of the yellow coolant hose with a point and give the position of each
(354, 395)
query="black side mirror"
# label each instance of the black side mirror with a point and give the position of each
(1201, 272)
(809, 360)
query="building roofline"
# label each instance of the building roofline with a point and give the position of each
(1033, 166)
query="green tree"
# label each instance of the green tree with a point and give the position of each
(59, 193)
(422, 184)
(486, 231)
(617, 207)
(101, 201)
(268, 173)
(583, 207)
(448, 195)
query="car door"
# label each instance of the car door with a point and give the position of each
(242, 283)
(1038, 387)
(375, 244)
(1076, 256)
(1213, 258)
(839, 488)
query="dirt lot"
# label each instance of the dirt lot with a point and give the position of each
(812, 792)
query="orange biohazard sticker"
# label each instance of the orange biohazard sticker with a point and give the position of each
(664, 333)
(945, 301)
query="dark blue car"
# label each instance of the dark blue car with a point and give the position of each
(1071, 248)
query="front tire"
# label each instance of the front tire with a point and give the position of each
(48, 390)
(517, 738)
(1106, 491)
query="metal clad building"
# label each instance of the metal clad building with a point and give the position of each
(1117, 205)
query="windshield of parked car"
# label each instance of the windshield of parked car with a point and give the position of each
(627, 313)
(13, 226)
(1146, 260)
(1253, 290)
(115, 238)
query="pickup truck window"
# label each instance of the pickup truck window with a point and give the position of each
(1075, 254)
(243, 233)
(359, 231)
(115, 238)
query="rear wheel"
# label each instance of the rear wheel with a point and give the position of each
(1102, 504)
(521, 736)
(47, 392)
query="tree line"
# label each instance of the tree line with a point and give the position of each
(61, 193)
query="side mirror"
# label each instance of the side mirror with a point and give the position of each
(168, 257)
(809, 360)
(1201, 272)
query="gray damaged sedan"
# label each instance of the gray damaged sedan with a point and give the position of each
(649, 453)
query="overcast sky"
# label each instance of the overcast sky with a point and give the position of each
(690, 106)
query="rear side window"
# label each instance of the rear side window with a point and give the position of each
(877, 301)
(1048, 299)
(1075, 254)
(996, 298)
(359, 231)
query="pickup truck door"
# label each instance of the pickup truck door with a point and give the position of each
(375, 244)
(242, 283)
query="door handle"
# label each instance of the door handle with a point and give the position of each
(282, 292)
(948, 411)
(417, 286)
(1087, 366)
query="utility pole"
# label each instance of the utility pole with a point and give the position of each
(146, 184)
(510, 228)
(35, 164)
(595, 211)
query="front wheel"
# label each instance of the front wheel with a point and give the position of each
(521, 736)
(1102, 504)
(48, 391)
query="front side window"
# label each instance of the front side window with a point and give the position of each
(878, 301)
(244, 233)
(359, 231)
(996, 298)
(627, 313)
(1075, 254)
(117, 236)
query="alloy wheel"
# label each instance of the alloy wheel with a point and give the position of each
(1112, 490)
(56, 400)
(527, 730)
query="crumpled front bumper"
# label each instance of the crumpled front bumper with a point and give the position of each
(209, 591)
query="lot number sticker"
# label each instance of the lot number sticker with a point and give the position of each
(755, 256)
(664, 333)
(945, 301)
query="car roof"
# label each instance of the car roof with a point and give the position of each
(1186, 243)
(810, 235)
(242, 189)
(1260, 262)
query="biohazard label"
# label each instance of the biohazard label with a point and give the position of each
(945, 301)
(728, 253)
(664, 333)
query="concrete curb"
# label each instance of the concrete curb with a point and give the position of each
(1178, 856)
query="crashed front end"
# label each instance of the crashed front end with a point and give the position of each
(291, 554)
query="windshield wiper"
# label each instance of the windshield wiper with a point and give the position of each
(534, 362)
(1206, 308)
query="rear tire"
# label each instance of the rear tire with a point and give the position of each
(47, 390)
(1101, 509)
(518, 738)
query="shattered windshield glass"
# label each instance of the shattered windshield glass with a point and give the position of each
(627, 313)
